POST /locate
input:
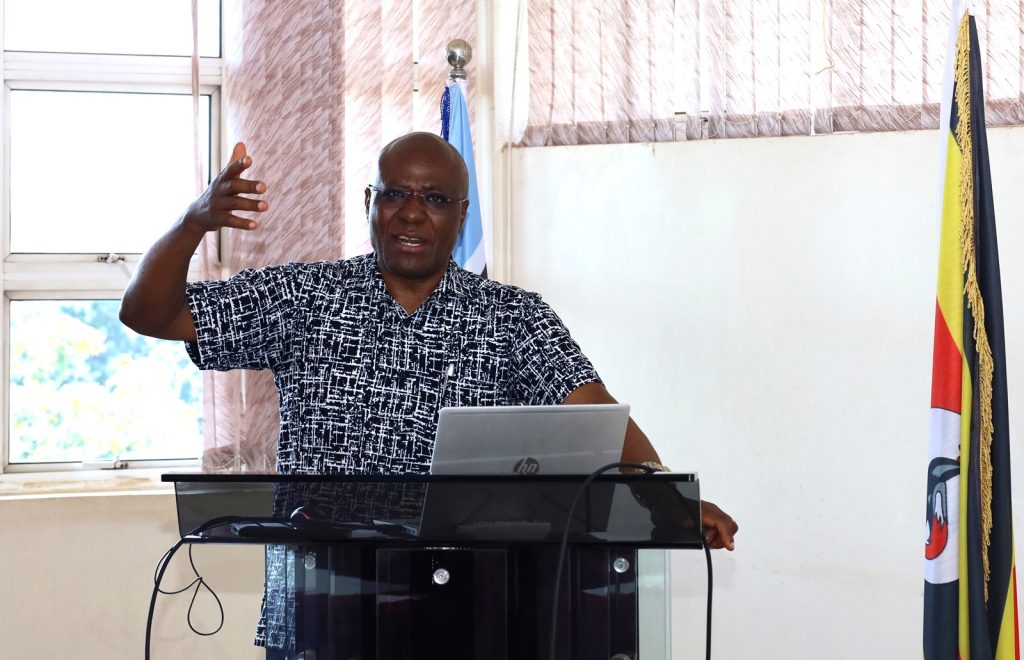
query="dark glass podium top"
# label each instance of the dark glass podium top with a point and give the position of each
(646, 511)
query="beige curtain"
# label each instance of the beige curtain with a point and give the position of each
(315, 88)
(605, 71)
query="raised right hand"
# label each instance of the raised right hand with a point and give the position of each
(216, 206)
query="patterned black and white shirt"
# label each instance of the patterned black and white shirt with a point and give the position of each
(360, 380)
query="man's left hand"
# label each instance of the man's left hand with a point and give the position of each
(719, 527)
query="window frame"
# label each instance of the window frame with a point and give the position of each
(83, 276)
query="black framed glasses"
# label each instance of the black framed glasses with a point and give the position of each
(430, 200)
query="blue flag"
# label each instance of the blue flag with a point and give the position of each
(469, 250)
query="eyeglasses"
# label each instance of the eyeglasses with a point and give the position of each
(431, 201)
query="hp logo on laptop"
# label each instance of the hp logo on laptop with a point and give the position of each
(526, 466)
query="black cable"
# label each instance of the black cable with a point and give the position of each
(161, 567)
(707, 556)
(711, 590)
(707, 633)
(199, 582)
(156, 570)
(563, 547)
(565, 542)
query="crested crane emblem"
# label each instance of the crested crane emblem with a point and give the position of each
(940, 471)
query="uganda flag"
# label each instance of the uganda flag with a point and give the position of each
(970, 594)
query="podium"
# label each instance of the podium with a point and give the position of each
(432, 566)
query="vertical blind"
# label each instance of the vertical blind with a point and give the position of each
(611, 71)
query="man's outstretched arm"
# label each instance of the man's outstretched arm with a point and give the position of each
(719, 527)
(154, 303)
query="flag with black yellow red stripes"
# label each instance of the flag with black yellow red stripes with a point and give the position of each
(970, 595)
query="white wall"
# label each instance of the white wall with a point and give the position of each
(76, 574)
(767, 308)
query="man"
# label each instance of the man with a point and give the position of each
(366, 350)
(339, 336)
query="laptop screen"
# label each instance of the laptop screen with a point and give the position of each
(562, 439)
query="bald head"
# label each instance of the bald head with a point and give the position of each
(416, 209)
(430, 148)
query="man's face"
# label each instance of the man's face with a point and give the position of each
(414, 235)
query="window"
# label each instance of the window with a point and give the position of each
(84, 387)
(99, 160)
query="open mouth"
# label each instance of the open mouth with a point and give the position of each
(410, 241)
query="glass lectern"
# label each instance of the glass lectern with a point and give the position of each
(430, 566)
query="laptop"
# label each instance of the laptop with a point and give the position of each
(561, 439)
(525, 440)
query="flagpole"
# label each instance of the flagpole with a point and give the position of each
(469, 252)
(458, 53)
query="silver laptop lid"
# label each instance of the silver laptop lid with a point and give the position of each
(562, 439)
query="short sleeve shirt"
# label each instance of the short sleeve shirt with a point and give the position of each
(360, 380)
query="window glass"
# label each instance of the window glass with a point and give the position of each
(100, 172)
(85, 387)
(125, 27)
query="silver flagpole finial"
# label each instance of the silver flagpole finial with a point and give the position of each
(458, 53)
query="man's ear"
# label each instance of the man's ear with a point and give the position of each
(366, 201)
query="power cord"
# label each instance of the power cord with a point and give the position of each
(707, 633)
(707, 555)
(563, 550)
(198, 582)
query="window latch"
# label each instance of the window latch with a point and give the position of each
(112, 464)
(114, 259)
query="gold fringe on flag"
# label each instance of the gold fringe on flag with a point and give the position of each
(975, 302)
